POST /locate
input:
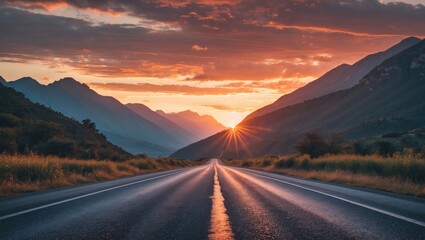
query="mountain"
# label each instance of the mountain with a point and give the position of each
(342, 77)
(27, 127)
(388, 99)
(163, 122)
(2, 81)
(118, 123)
(201, 126)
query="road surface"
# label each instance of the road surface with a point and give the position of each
(212, 202)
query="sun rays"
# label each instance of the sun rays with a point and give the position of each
(234, 141)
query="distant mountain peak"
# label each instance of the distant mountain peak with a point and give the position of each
(70, 83)
(27, 81)
(342, 77)
(66, 81)
(410, 40)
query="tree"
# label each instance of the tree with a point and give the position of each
(313, 144)
(385, 148)
(361, 148)
(89, 124)
(316, 145)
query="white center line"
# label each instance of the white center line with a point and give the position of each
(417, 222)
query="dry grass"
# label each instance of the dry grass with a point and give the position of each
(33, 173)
(402, 173)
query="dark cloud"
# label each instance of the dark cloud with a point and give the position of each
(216, 40)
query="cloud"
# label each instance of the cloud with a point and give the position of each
(196, 47)
(241, 40)
(175, 89)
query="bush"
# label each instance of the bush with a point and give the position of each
(58, 147)
(247, 164)
(286, 163)
(385, 148)
(266, 162)
(316, 145)
(361, 148)
(7, 141)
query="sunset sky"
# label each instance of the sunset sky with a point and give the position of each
(223, 58)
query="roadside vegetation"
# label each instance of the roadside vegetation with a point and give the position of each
(29, 173)
(401, 173)
(378, 164)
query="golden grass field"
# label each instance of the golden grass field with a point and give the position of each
(33, 173)
(401, 173)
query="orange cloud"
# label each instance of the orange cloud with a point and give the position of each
(199, 48)
(175, 89)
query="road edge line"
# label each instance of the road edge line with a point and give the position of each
(395, 215)
(81, 196)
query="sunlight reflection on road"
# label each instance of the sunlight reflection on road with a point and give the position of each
(220, 226)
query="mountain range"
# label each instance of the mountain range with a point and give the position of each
(134, 130)
(342, 77)
(389, 98)
(201, 126)
(26, 127)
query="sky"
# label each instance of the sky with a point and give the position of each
(222, 58)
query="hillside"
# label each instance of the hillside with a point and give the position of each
(342, 77)
(26, 127)
(118, 123)
(388, 99)
(201, 126)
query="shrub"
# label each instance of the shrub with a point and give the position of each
(361, 148)
(286, 163)
(385, 148)
(58, 147)
(7, 141)
(266, 162)
(316, 145)
(247, 164)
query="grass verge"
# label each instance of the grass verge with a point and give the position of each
(401, 173)
(20, 174)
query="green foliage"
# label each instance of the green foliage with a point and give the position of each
(89, 124)
(316, 145)
(408, 166)
(361, 148)
(266, 162)
(286, 163)
(34, 172)
(27, 127)
(385, 148)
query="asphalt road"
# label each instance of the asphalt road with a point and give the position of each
(215, 202)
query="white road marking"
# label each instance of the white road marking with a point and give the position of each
(417, 222)
(82, 196)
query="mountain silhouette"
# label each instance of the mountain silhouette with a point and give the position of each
(389, 98)
(117, 122)
(26, 127)
(342, 77)
(172, 128)
(201, 126)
